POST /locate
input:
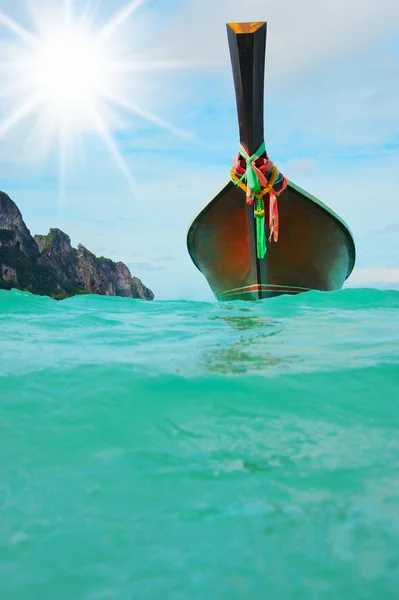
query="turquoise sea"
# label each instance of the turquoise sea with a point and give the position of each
(191, 451)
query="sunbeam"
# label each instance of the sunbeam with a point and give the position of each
(16, 28)
(20, 114)
(68, 11)
(149, 117)
(155, 65)
(63, 145)
(105, 135)
(119, 19)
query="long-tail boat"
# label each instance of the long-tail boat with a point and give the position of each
(261, 235)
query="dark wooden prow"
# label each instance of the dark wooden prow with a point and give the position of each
(247, 43)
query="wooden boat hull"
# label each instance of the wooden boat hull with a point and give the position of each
(315, 249)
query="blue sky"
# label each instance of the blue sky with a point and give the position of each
(331, 124)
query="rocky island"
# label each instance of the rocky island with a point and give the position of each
(48, 265)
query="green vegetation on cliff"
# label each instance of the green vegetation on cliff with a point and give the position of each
(6, 235)
(33, 277)
(49, 239)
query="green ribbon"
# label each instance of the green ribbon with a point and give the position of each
(253, 183)
(260, 229)
(250, 173)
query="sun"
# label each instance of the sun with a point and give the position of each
(68, 71)
(67, 76)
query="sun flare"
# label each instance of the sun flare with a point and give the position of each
(67, 77)
(68, 72)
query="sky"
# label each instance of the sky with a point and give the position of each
(127, 184)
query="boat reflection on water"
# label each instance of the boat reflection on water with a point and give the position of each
(250, 351)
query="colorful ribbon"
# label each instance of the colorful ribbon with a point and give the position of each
(257, 180)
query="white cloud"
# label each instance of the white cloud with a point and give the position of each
(303, 166)
(301, 35)
(376, 277)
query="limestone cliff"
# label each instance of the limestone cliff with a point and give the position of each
(48, 265)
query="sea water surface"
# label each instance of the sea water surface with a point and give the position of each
(185, 450)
